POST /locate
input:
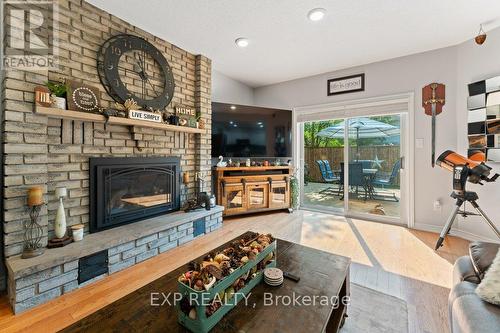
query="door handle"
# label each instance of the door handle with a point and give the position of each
(401, 162)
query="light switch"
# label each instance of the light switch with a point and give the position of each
(419, 143)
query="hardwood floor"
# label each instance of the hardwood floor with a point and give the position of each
(388, 258)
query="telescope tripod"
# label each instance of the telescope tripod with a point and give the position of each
(462, 197)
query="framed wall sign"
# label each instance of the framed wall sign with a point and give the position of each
(186, 115)
(82, 97)
(145, 115)
(346, 84)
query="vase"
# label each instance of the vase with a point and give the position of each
(58, 102)
(60, 223)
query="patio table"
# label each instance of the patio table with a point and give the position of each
(369, 175)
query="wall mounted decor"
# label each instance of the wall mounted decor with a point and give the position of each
(82, 97)
(483, 119)
(346, 84)
(121, 58)
(433, 99)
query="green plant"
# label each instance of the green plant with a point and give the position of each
(56, 88)
(294, 191)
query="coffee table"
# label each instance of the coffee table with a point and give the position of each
(324, 277)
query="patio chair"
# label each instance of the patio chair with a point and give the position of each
(327, 175)
(387, 181)
(356, 178)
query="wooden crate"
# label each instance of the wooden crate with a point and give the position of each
(202, 323)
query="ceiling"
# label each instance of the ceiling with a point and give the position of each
(285, 45)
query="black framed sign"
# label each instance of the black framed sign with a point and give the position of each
(346, 84)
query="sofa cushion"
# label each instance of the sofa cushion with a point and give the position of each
(469, 314)
(464, 271)
(489, 288)
(482, 255)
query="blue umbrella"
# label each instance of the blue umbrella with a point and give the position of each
(362, 128)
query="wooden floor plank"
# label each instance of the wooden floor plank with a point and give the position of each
(388, 258)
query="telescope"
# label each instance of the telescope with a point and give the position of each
(465, 170)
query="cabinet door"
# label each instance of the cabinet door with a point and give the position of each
(257, 196)
(233, 198)
(279, 195)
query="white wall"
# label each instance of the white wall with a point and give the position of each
(455, 67)
(476, 63)
(228, 90)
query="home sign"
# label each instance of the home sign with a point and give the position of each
(186, 115)
(144, 115)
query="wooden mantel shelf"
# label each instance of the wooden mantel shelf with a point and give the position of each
(97, 118)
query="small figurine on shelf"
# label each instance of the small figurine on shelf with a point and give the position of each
(61, 238)
(131, 104)
(60, 222)
(266, 163)
(201, 123)
(248, 162)
(221, 163)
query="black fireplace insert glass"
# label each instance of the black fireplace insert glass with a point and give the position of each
(125, 190)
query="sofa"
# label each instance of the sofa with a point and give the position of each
(468, 313)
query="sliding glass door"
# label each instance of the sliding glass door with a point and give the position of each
(353, 166)
(374, 163)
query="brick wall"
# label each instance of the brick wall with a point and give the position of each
(54, 152)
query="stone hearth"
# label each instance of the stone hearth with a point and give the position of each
(37, 280)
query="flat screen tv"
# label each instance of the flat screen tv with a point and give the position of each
(248, 131)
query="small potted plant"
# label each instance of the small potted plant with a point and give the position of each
(57, 94)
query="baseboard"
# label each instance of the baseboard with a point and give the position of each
(454, 232)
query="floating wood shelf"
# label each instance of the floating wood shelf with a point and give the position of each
(97, 118)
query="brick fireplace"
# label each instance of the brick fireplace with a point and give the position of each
(39, 150)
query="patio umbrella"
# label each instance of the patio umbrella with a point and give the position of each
(361, 128)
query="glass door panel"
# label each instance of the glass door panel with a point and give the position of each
(374, 155)
(323, 153)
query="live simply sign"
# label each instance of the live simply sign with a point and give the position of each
(144, 115)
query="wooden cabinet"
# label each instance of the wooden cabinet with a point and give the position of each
(252, 189)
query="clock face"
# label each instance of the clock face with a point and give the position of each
(131, 67)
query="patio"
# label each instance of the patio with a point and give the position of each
(313, 197)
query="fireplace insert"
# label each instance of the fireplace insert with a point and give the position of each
(126, 190)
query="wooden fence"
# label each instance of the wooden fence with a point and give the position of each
(388, 154)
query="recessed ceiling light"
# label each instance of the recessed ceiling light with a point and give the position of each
(231, 122)
(233, 107)
(259, 123)
(316, 14)
(235, 125)
(241, 42)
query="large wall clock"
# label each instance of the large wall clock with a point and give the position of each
(131, 67)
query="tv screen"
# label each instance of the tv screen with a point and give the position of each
(248, 131)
